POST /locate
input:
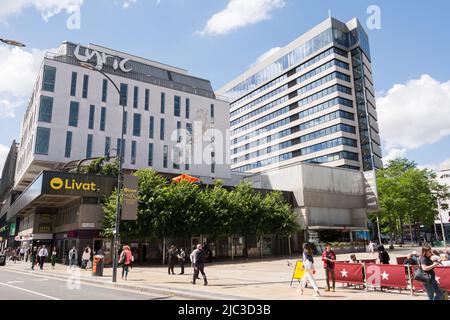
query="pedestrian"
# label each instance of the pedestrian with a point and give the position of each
(310, 271)
(66, 256)
(171, 258)
(22, 254)
(383, 256)
(54, 257)
(199, 265)
(125, 261)
(444, 260)
(409, 260)
(27, 254)
(432, 288)
(43, 254)
(33, 256)
(353, 259)
(192, 258)
(73, 257)
(329, 259)
(13, 256)
(85, 258)
(181, 258)
(371, 247)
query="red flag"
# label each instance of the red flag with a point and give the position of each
(387, 275)
(349, 273)
(443, 277)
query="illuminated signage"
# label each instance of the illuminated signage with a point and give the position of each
(71, 184)
(101, 59)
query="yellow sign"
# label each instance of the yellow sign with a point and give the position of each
(58, 183)
(299, 271)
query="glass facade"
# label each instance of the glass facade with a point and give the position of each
(123, 94)
(163, 102)
(103, 119)
(73, 84)
(105, 90)
(42, 140)
(91, 116)
(147, 100)
(90, 141)
(68, 148)
(188, 107)
(177, 106)
(136, 97)
(45, 109)
(49, 78)
(161, 129)
(133, 152)
(137, 125)
(85, 86)
(151, 133)
(73, 113)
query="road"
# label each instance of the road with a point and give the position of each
(36, 286)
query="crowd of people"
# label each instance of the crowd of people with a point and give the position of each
(197, 257)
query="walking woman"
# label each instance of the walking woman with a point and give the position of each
(54, 257)
(432, 288)
(125, 260)
(310, 271)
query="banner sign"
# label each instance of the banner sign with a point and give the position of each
(370, 186)
(349, 273)
(130, 198)
(387, 275)
(299, 271)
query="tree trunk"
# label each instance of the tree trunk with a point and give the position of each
(410, 230)
(401, 230)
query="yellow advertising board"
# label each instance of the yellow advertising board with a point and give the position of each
(299, 271)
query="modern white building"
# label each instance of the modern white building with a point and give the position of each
(443, 178)
(173, 121)
(312, 101)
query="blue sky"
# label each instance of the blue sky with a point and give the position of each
(412, 42)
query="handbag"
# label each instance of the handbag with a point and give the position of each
(421, 276)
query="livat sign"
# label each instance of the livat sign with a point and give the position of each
(101, 59)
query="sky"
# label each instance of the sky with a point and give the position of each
(219, 39)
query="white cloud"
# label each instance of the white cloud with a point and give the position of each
(445, 165)
(266, 54)
(414, 114)
(18, 70)
(46, 8)
(128, 3)
(394, 154)
(3, 154)
(240, 13)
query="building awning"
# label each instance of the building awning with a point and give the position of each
(317, 228)
(185, 177)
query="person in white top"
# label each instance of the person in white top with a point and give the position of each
(73, 257)
(86, 257)
(43, 254)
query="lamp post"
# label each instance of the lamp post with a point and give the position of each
(12, 43)
(444, 238)
(119, 175)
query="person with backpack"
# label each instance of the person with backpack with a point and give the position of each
(383, 256)
(199, 264)
(125, 260)
(329, 259)
(310, 271)
(73, 257)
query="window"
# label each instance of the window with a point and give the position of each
(147, 99)
(42, 140)
(105, 90)
(165, 156)
(212, 112)
(73, 114)
(45, 109)
(85, 86)
(91, 116)
(150, 154)
(189, 128)
(90, 139)
(125, 117)
(163, 102)
(161, 130)
(68, 144)
(176, 158)
(137, 125)
(119, 147)
(123, 94)
(73, 84)
(107, 145)
(133, 152)
(178, 131)
(135, 97)
(188, 107)
(213, 167)
(102, 119)
(151, 128)
(48, 80)
(176, 106)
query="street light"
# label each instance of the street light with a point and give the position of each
(12, 43)
(119, 175)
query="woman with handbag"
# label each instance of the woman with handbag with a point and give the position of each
(432, 288)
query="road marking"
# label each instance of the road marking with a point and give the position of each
(29, 291)
(40, 280)
(12, 282)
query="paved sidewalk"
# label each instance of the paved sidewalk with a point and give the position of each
(252, 279)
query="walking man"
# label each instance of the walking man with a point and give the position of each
(171, 256)
(73, 257)
(181, 258)
(43, 254)
(199, 264)
(329, 259)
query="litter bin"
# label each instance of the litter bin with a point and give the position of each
(2, 260)
(97, 265)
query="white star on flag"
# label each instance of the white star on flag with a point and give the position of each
(437, 280)
(344, 273)
(385, 275)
